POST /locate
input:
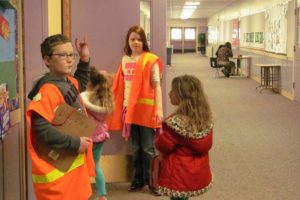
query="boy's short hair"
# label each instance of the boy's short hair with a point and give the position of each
(52, 41)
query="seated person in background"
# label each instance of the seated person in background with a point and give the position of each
(220, 46)
(223, 55)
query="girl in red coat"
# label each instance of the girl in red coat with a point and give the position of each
(185, 141)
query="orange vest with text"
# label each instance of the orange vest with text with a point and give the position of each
(50, 183)
(141, 102)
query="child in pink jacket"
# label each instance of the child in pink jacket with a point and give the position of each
(99, 103)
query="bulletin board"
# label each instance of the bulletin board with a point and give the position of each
(276, 29)
(9, 81)
(8, 49)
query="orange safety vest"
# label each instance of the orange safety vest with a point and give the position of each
(50, 183)
(141, 102)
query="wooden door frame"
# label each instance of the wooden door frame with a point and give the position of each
(296, 81)
(66, 17)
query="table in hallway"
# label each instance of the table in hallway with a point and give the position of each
(269, 74)
(238, 64)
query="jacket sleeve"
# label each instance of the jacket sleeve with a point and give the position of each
(82, 74)
(165, 142)
(51, 136)
(202, 145)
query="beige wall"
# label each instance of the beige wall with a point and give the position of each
(54, 16)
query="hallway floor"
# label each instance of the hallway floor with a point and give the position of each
(256, 138)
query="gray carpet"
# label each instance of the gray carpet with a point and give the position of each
(256, 138)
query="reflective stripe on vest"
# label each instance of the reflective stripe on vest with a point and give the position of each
(146, 101)
(56, 174)
(147, 57)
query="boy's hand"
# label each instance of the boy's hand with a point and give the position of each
(83, 50)
(84, 143)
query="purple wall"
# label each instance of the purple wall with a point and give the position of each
(105, 24)
(35, 30)
(158, 38)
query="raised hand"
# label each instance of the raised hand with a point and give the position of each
(82, 49)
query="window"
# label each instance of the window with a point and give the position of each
(175, 33)
(190, 33)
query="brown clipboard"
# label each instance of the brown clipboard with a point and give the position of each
(68, 121)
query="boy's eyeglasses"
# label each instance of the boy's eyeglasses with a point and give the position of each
(65, 56)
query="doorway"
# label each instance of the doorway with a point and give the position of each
(183, 39)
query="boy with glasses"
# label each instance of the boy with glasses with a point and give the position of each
(54, 88)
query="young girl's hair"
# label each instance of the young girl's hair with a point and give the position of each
(188, 90)
(140, 31)
(102, 95)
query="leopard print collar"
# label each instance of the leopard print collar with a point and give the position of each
(178, 123)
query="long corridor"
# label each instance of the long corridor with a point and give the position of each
(256, 138)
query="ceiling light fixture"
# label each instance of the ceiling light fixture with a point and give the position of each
(189, 3)
(188, 9)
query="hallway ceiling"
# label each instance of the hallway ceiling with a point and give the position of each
(206, 9)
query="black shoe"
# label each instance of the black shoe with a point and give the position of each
(223, 71)
(228, 75)
(135, 187)
(153, 191)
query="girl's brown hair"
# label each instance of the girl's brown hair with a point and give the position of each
(141, 32)
(102, 95)
(192, 100)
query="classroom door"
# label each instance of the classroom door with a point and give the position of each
(297, 54)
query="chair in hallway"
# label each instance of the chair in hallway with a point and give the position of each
(214, 65)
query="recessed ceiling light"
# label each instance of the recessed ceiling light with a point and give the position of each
(192, 3)
(189, 7)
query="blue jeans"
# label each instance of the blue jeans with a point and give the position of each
(142, 139)
(100, 180)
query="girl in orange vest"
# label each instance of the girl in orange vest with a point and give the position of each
(50, 91)
(138, 102)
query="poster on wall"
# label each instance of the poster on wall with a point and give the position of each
(4, 28)
(212, 35)
(9, 65)
(4, 110)
(276, 29)
(8, 3)
(235, 32)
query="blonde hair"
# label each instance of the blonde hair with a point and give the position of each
(193, 103)
(102, 94)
